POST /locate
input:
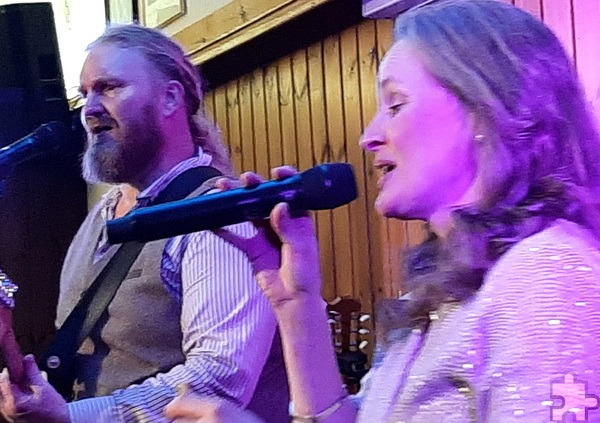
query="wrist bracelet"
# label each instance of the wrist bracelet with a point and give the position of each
(316, 418)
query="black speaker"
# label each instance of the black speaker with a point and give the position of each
(42, 201)
(32, 89)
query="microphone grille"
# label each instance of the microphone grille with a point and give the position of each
(328, 186)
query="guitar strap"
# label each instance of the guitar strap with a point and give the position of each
(59, 360)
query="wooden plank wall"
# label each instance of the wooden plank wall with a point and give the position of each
(311, 106)
(577, 25)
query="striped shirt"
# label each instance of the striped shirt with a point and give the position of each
(226, 321)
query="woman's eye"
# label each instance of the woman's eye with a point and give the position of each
(395, 108)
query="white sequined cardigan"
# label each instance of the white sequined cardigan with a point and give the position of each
(500, 356)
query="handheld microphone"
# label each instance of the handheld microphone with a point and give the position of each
(47, 138)
(326, 186)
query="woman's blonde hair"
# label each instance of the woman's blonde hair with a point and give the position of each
(538, 149)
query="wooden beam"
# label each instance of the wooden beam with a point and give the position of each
(238, 22)
(313, 26)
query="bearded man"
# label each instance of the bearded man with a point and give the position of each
(189, 311)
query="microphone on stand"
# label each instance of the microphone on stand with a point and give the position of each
(47, 138)
(325, 186)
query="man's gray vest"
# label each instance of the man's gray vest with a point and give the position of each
(140, 334)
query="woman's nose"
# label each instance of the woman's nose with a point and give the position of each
(373, 136)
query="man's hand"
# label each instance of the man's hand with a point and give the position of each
(35, 403)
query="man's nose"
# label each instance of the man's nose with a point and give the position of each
(93, 106)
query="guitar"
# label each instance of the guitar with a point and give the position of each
(347, 329)
(8, 343)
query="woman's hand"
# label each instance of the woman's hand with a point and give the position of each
(284, 254)
(193, 409)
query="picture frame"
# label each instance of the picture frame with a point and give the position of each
(387, 9)
(160, 13)
(120, 11)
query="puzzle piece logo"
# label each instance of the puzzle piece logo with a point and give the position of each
(570, 397)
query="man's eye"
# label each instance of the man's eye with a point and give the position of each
(109, 90)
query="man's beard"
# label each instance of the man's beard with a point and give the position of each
(110, 160)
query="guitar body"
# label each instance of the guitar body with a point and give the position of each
(345, 319)
(8, 343)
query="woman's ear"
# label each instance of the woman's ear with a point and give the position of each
(173, 98)
(476, 126)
